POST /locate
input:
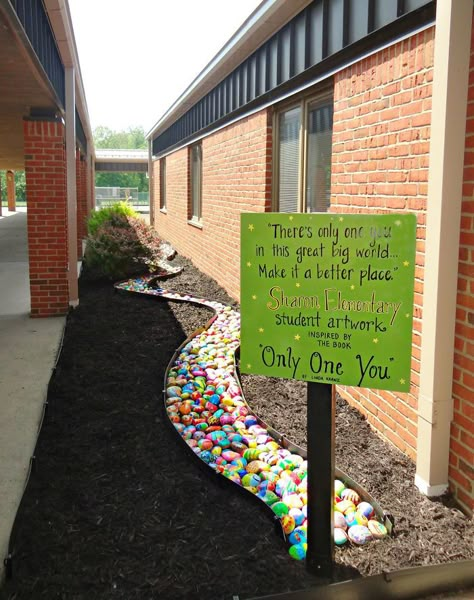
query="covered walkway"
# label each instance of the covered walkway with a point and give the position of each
(28, 352)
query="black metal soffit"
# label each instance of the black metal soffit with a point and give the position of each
(34, 19)
(120, 167)
(320, 38)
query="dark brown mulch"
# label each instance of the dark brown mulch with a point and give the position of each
(117, 508)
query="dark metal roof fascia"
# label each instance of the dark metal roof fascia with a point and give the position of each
(269, 16)
(309, 78)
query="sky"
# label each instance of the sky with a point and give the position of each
(137, 57)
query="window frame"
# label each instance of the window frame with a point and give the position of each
(163, 207)
(195, 204)
(304, 101)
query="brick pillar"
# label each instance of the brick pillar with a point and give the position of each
(0, 193)
(81, 195)
(11, 195)
(45, 171)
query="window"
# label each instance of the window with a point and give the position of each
(163, 184)
(304, 145)
(196, 182)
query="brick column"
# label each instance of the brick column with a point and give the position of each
(45, 171)
(81, 194)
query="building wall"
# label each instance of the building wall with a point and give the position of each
(382, 111)
(461, 468)
(236, 178)
(380, 163)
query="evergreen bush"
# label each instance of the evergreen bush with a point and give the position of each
(99, 217)
(120, 245)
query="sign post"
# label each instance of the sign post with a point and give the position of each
(327, 299)
(321, 428)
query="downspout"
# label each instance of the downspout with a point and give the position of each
(151, 191)
(448, 130)
(71, 185)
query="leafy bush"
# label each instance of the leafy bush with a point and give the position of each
(121, 246)
(98, 218)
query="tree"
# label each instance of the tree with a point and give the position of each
(132, 138)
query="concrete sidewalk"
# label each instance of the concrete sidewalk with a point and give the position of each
(28, 350)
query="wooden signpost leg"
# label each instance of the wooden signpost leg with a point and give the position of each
(321, 426)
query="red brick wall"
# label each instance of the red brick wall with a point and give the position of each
(382, 113)
(81, 200)
(236, 178)
(461, 467)
(45, 170)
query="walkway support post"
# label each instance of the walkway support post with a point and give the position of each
(448, 128)
(11, 194)
(71, 185)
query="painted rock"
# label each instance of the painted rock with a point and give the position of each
(239, 462)
(378, 530)
(339, 520)
(366, 509)
(230, 455)
(288, 524)
(268, 475)
(205, 444)
(293, 501)
(252, 453)
(340, 536)
(250, 480)
(297, 515)
(205, 455)
(344, 506)
(298, 536)
(361, 519)
(351, 495)
(269, 498)
(280, 509)
(359, 534)
(173, 391)
(255, 466)
(298, 551)
(338, 487)
(227, 419)
(350, 518)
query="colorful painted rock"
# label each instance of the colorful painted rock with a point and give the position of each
(288, 524)
(338, 487)
(297, 515)
(366, 509)
(298, 536)
(359, 534)
(378, 530)
(340, 537)
(351, 495)
(339, 520)
(280, 509)
(344, 506)
(250, 480)
(298, 551)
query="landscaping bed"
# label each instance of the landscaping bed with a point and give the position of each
(117, 508)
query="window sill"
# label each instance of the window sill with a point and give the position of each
(195, 223)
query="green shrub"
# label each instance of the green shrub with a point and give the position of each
(122, 246)
(99, 217)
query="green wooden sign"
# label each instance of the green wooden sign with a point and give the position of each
(328, 297)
